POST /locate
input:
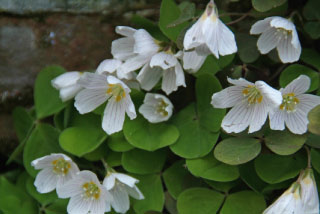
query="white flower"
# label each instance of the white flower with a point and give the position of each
(98, 89)
(163, 64)
(135, 49)
(209, 33)
(156, 108)
(192, 60)
(309, 193)
(56, 170)
(120, 187)
(251, 104)
(288, 203)
(280, 33)
(68, 85)
(295, 107)
(111, 67)
(86, 195)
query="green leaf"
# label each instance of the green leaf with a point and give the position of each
(114, 158)
(249, 176)
(46, 98)
(313, 141)
(263, 5)
(43, 141)
(223, 186)
(314, 120)
(170, 12)
(294, 71)
(118, 143)
(57, 207)
(315, 159)
(43, 199)
(245, 202)
(313, 29)
(151, 188)
(284, 142)
(274, 168)
(98, 153)
(237, 150)
(210, 168)
(311, 10)
(247, 47)
(209, 117)
(210, 66)
(81, 140)
(177, 178)
(143, 162)
(22, 121)
(170, 203)
(149, 136)
(187, 12)
(195, 140)
(84, 120)
(199, 200)
(311, 57)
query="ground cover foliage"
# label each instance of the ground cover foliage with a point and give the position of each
(187, 164)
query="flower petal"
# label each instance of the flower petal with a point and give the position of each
(298, 86)
(77, 205)
(192, 61)
(240, 82)
(46, 181)
(309, 193)
(113, 117)
(130, 109)
(125, 31)
(237, 119)
(93, 81)
(258, 116)
(122, 48)
(308, 102)
(210, 30)
(66, 79)
(144, 43)
(194, 36)
(120, 203)
(108, 66)
(271, 96)
(148, 77)
(228, 97)
(226, 41)
(70, 92)
(89, 99)
(126, 179)
(297, 122)
(268, 40)
(134, 63)
(180, 79)
(109, 181)
(163, 60)
(261, 26)
(277, 118)
(287, 51)
(134, 192)
(169, 81)
(46, 161)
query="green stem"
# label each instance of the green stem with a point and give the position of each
(309, 156)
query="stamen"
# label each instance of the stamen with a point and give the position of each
(252, 94)
(61, 166)
(117, 91)
(289, 102)
(161, 108)
(91, 190)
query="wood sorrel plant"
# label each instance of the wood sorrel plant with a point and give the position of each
(179, 150)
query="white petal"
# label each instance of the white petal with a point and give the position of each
(98, 206)
(134, 63)
(114, 80)
(180, 79)
(228, 97)
(120, 203)
(46, 181)
(227, 43)
(149, 113)
(126, 179)
(271, 96)
(297, 122)
(309, 193)
(210, 30)
(89, 99)
(63, 179)
(194, 36)
(122, 48)
(240, 82)
(134, 192)
(109, 181)
(298, 86)
(108, 66)
(93, 81)
(280, 22)
(125, 31)
(261, 26)
(258, 116)
(77, 205)
(66, 79)
(276, 119)
(169, 81)
(46, 161)
(192, 61)
(70, 92)
(237, 119)
(148, 77)
(287, 51)
(163, 60)
(130, 109)
(308, 102)
(144, 43)
(268, 40)
(113, 117)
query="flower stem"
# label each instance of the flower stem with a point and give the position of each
(238, 19)
(309, 156)
(106, 166)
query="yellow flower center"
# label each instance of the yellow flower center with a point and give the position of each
(91, 190)
(161, 108)
(61, 166)
(117, 91)
(252, 94)
(289, 102)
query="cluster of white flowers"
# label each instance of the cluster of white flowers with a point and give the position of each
(301, 198)
(252, 103)
(86, 193)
